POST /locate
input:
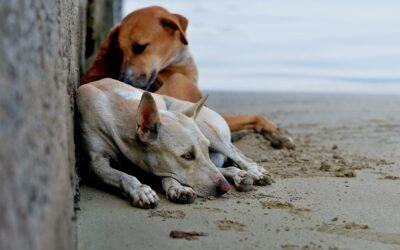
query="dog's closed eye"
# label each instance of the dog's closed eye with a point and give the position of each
(189, 155)
(139, 48)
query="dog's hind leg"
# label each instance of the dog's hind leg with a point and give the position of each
(177, 193)
(240, 178)
(278, 137)
(142, 195)
(258, 173)
(217, 132)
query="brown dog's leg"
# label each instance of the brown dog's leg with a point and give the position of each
(279, 138)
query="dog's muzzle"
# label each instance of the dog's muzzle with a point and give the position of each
(138, 80)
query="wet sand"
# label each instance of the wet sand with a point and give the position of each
(339, 189)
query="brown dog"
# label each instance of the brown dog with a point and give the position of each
(149, 50)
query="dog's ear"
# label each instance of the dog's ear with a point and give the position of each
(179, 24)
(148, 119)
(108, 60)
(194, 110)
(182, 21)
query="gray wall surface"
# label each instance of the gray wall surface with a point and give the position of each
(41, 51)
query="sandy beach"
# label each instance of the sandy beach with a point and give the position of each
(339, 189)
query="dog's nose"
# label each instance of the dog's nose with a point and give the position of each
(223, 187)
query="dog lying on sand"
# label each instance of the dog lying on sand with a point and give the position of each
(185, 144)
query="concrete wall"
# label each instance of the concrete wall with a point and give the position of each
(41, 51)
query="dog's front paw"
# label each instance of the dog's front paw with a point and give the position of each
(181, 194)
(144, 197)
(243, 181)
(260, 176)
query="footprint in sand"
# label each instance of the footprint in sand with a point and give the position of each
(229, 225)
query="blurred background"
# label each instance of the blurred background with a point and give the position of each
(292, 45)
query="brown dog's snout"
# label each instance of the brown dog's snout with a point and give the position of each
(223, 187)
(135, 79)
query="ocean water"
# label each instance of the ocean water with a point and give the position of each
(350, 46)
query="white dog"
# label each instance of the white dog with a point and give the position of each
(184, 143)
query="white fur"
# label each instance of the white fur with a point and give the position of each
(128, 95)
